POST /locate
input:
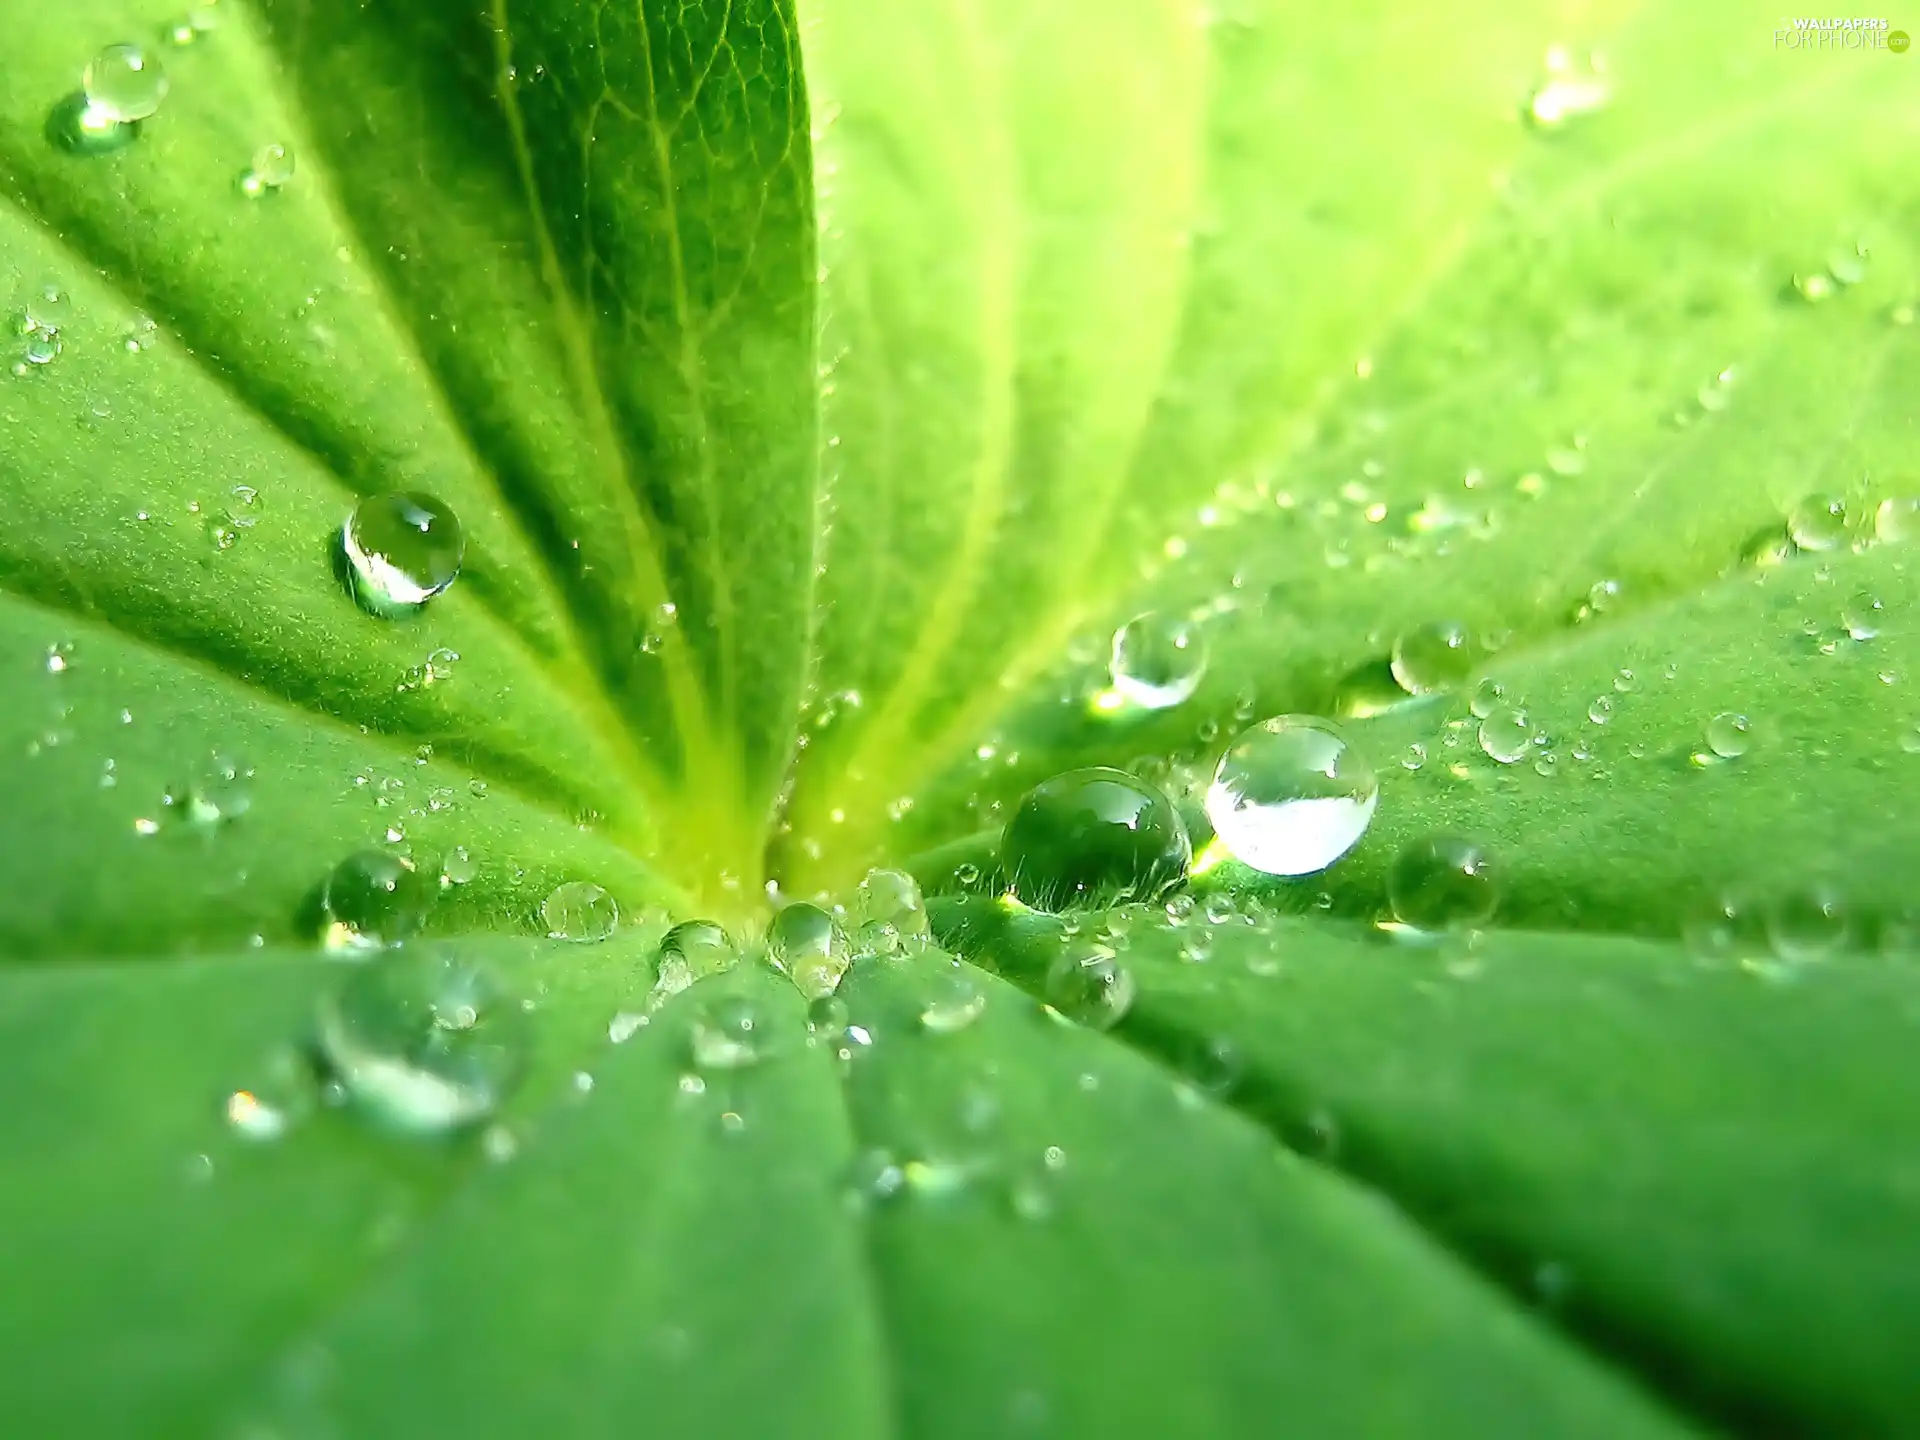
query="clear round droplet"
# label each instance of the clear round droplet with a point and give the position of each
(1729, 735)
(1863, 615)
(1896, 520)
(1291, 796)
(272, 167)
(125, 82)
(1488, 696)
(373, 898)
(1091, 838)
(403, 549)
(457, 867)
(221, 789)
(1436, 656)
(890, 897)
(1158, 660)
(580, 911)
(424, 1040)
(80, 127)
(1600, 709)
(701, 945)
(1818, 522)
(1807, 924)
(804, 941)
(1443, 882)
(1086, 983)
(955, 999)
(1506, 734)
(729, 1033)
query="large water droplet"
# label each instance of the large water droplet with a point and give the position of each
(374, 898)
(1818, 522)
(1086, 983)
(1291, 796)
(1094, 837)
(425, 1040)
(1432, 657)
(1158, 660)
(125, 83)
(1729, 735)
(1506, 734)
(889, 900)
(1443, 882)
(403, 549)
(580, 911)
(804, 941)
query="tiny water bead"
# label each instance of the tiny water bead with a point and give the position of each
(580, 911)
(1291, 796)
(1086, 983)
(425, 1040)
(403, 550)
(1157, 661)
(1443, 882)
(1729, 735)
(1506, 734)
(1818, 522)
(272, 167)
(954, 1001)
(125, 83)
(1436, 656)
(1094, 837)
(373, 898)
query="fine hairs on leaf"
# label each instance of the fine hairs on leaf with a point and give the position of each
(805, 717)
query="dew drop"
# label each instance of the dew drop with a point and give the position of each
(221, 789)
(1507, 734)
(1729, 735)
(804, 942)
(1435, 656)
(373, 898)
(80, 127)
(1086, 983)
(1443, 882)
(403, 549)
(1487, 697)
(1600, 709)
(954, 1001)
(1807, 924)
(701, 945)
(457, 867)
(1897, 520)
(272, 167)
(1092, 838)
(1291, 796)
(580, 911)
(891, 898)
(124, 83)
(1818, 522)
(1158, 660)
(424, 1040)
(1863, 616)
(729, 1033)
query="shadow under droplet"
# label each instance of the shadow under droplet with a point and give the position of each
(78, 127)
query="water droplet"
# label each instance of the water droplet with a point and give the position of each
(403, 550)
(954, 1001)
(1729, 735)
(580, 911)
(1600, 710)
(874, 1175)
(891, 898)
(1432, 657)
(1443, 882)
(280, 1095)
(1897, 520)
(729, 1033)
(1085, 983)
(373, 898)
(1625, 682)
(1863, 615)
(1414, 756)
(125, 83)
(1291, 796)
(1818, 522)
(60, 657)
(425, 1040)
(80, 127)
(1488, 696)
(1158, 660)
(272, 167)
(221, 789)
(1807, 924)
(1813, 285)
(700, 945)
(1094, 837)
(1910, 739)
(457, 867)
(1723, 928)
(804, 942)
(1507, 734)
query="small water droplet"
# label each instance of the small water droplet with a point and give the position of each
(891, 898)
(1569, 90)
(272, 167)
(373, 898)
(1488, 696)
(1414, 756)
(1625, 682)
(729, 1033)
(403, 549)
(457, 866)
(278, 1096)
(1729, 735)
(80, 127)
(1094, 837)
(1085, 983)
(1818, 522)
(1813, 285)
(804, 942)
(954, 1001)
(1443, 882)
(424, 1040)
(1600, 709)
(1157, 660)
(1863, 615)
(221, 789)
(1897, 520)
(1435, 656)
(580, 911)
(1507, 734)
(125, 83)
(1809, 923)
(60, 657)
(1291, 796)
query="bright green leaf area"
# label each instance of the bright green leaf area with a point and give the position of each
(818, 384)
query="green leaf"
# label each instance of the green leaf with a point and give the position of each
(819, 384)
